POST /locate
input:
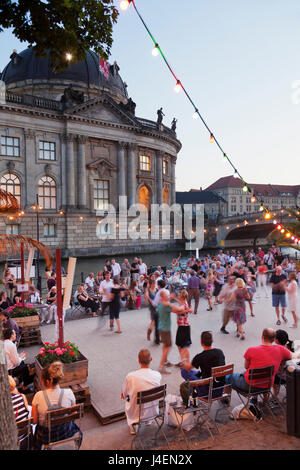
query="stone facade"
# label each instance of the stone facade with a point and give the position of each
(91, 154)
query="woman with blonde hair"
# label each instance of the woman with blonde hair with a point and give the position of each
(239, 315)
(52, 397)
(291, 289)
(209, 286)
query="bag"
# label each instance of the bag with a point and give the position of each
(170, 414)
(240, 412)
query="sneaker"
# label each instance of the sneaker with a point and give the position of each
(278, 322)
(179, 364)
(256, 412)
(285, 319)
(132, 429)
(224, 331)
(168, 364)
(163, 370)
(237, 335)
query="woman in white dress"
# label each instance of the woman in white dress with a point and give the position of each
(292, 297)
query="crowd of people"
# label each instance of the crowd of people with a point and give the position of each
(232, 279)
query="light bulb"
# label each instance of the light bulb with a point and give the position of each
(155, 50)
(261, 208)
(211, 139)
(68, 56)
(282, 230)
(268, 215)
(177, 87)
(124, 4)
(224, 157)
(288, 235)
(235, 174)
(196, 115)
(274, 222)
(245, 188)
(253, 199)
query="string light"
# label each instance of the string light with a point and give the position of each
(68, 56)
(124, 4)
(155, 50)
(267, 216)
(177, 87)
(225, 157)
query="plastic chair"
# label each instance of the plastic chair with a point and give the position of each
(156, 396)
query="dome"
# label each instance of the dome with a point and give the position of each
(27, 69)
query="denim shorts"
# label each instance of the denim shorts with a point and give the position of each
(278, 300)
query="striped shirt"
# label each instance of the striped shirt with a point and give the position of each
(183, 319)
(19, 407)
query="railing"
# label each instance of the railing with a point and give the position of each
(153, 125)
(34, 101)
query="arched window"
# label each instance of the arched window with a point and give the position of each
(144, 196)
(11, 184)
(166, 196)
(47, 193)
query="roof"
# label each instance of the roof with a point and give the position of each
(198, 197)
(28, 66)
(272, 190)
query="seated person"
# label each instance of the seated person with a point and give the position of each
(86, 302)
(5, 302)
(15, 362)
(281, 338)
(8, 322)
(21, 411)
(201, 365)
(33, 295)
(50, 398)
(51, 301)
(263, 355)
(139, 381)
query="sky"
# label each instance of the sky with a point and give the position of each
(238, 60)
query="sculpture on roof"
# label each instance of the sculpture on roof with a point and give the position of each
(72, 97)
(160, 115)
(173, 125)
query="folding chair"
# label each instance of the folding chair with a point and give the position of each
(156, 396)
(260, 384)
(24, 433)
(200, 408)
(61, 416)
(224, 398)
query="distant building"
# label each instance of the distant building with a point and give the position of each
(274, 196)
(214, 204)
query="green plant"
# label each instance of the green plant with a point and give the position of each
(20, 310)
(51, 352)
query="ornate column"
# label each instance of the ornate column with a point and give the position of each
(30, 189)
(70, 171)
(131, 174)
(121, 168)
(81, 173)
(159, 177)
(173, 181)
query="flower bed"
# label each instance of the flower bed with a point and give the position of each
(25, 316)
(75, 364)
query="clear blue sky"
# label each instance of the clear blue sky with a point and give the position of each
(238, 60)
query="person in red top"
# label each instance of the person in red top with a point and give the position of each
(261, 253)
(264, 355)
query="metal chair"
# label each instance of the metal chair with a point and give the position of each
(260, 384)
(156, 396)
(200, 408)
(224, 398)
(24, 433)
(61, 416)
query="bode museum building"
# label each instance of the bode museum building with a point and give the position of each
(72, 140)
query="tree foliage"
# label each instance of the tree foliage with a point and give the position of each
(61, 26)
(294, 228)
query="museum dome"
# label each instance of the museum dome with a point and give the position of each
(29, 72)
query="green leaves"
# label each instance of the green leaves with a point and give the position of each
(61, 26)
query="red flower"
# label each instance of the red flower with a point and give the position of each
(71, 352)
(47, 344)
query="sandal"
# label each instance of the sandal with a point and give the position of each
(278, 322)
(118, 331)
(285, 319)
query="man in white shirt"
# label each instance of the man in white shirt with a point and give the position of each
(104, 290)
(14, 361)
(116, 269)
(90, 281)
(142, 268)
(139, 381)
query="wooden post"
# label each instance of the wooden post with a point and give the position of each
(59, 299)
(22, 272)
(69, 283)
(29, 264)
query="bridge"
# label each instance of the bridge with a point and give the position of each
(235, 232)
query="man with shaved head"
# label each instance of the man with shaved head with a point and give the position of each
(264, 355)
(139, 381)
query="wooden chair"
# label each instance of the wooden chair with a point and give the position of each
(61, 416)
(24, 433)
(156, 396)
(200, 408)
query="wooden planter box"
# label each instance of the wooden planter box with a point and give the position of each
(28, 322)
(75, 373)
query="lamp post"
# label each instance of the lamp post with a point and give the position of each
(37, 208)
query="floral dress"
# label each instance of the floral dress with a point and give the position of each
(239, 315)
(209, 289)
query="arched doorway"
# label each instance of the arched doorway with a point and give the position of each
(166, 196)
(144, 196)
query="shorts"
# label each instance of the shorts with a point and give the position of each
(278, 300)
(183, 337)
(217, 289)
(165, 338)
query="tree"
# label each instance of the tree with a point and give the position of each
(294, 229)
(61, 27)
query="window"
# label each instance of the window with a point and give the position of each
(47, 192)
(101, 195)
(144, 197)
(233, 208)
(165, 167)
(11, 184)
(49, 230)
(12, 229)
(47, 150)
(145, 163)
(10, 146)
(233, 199)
